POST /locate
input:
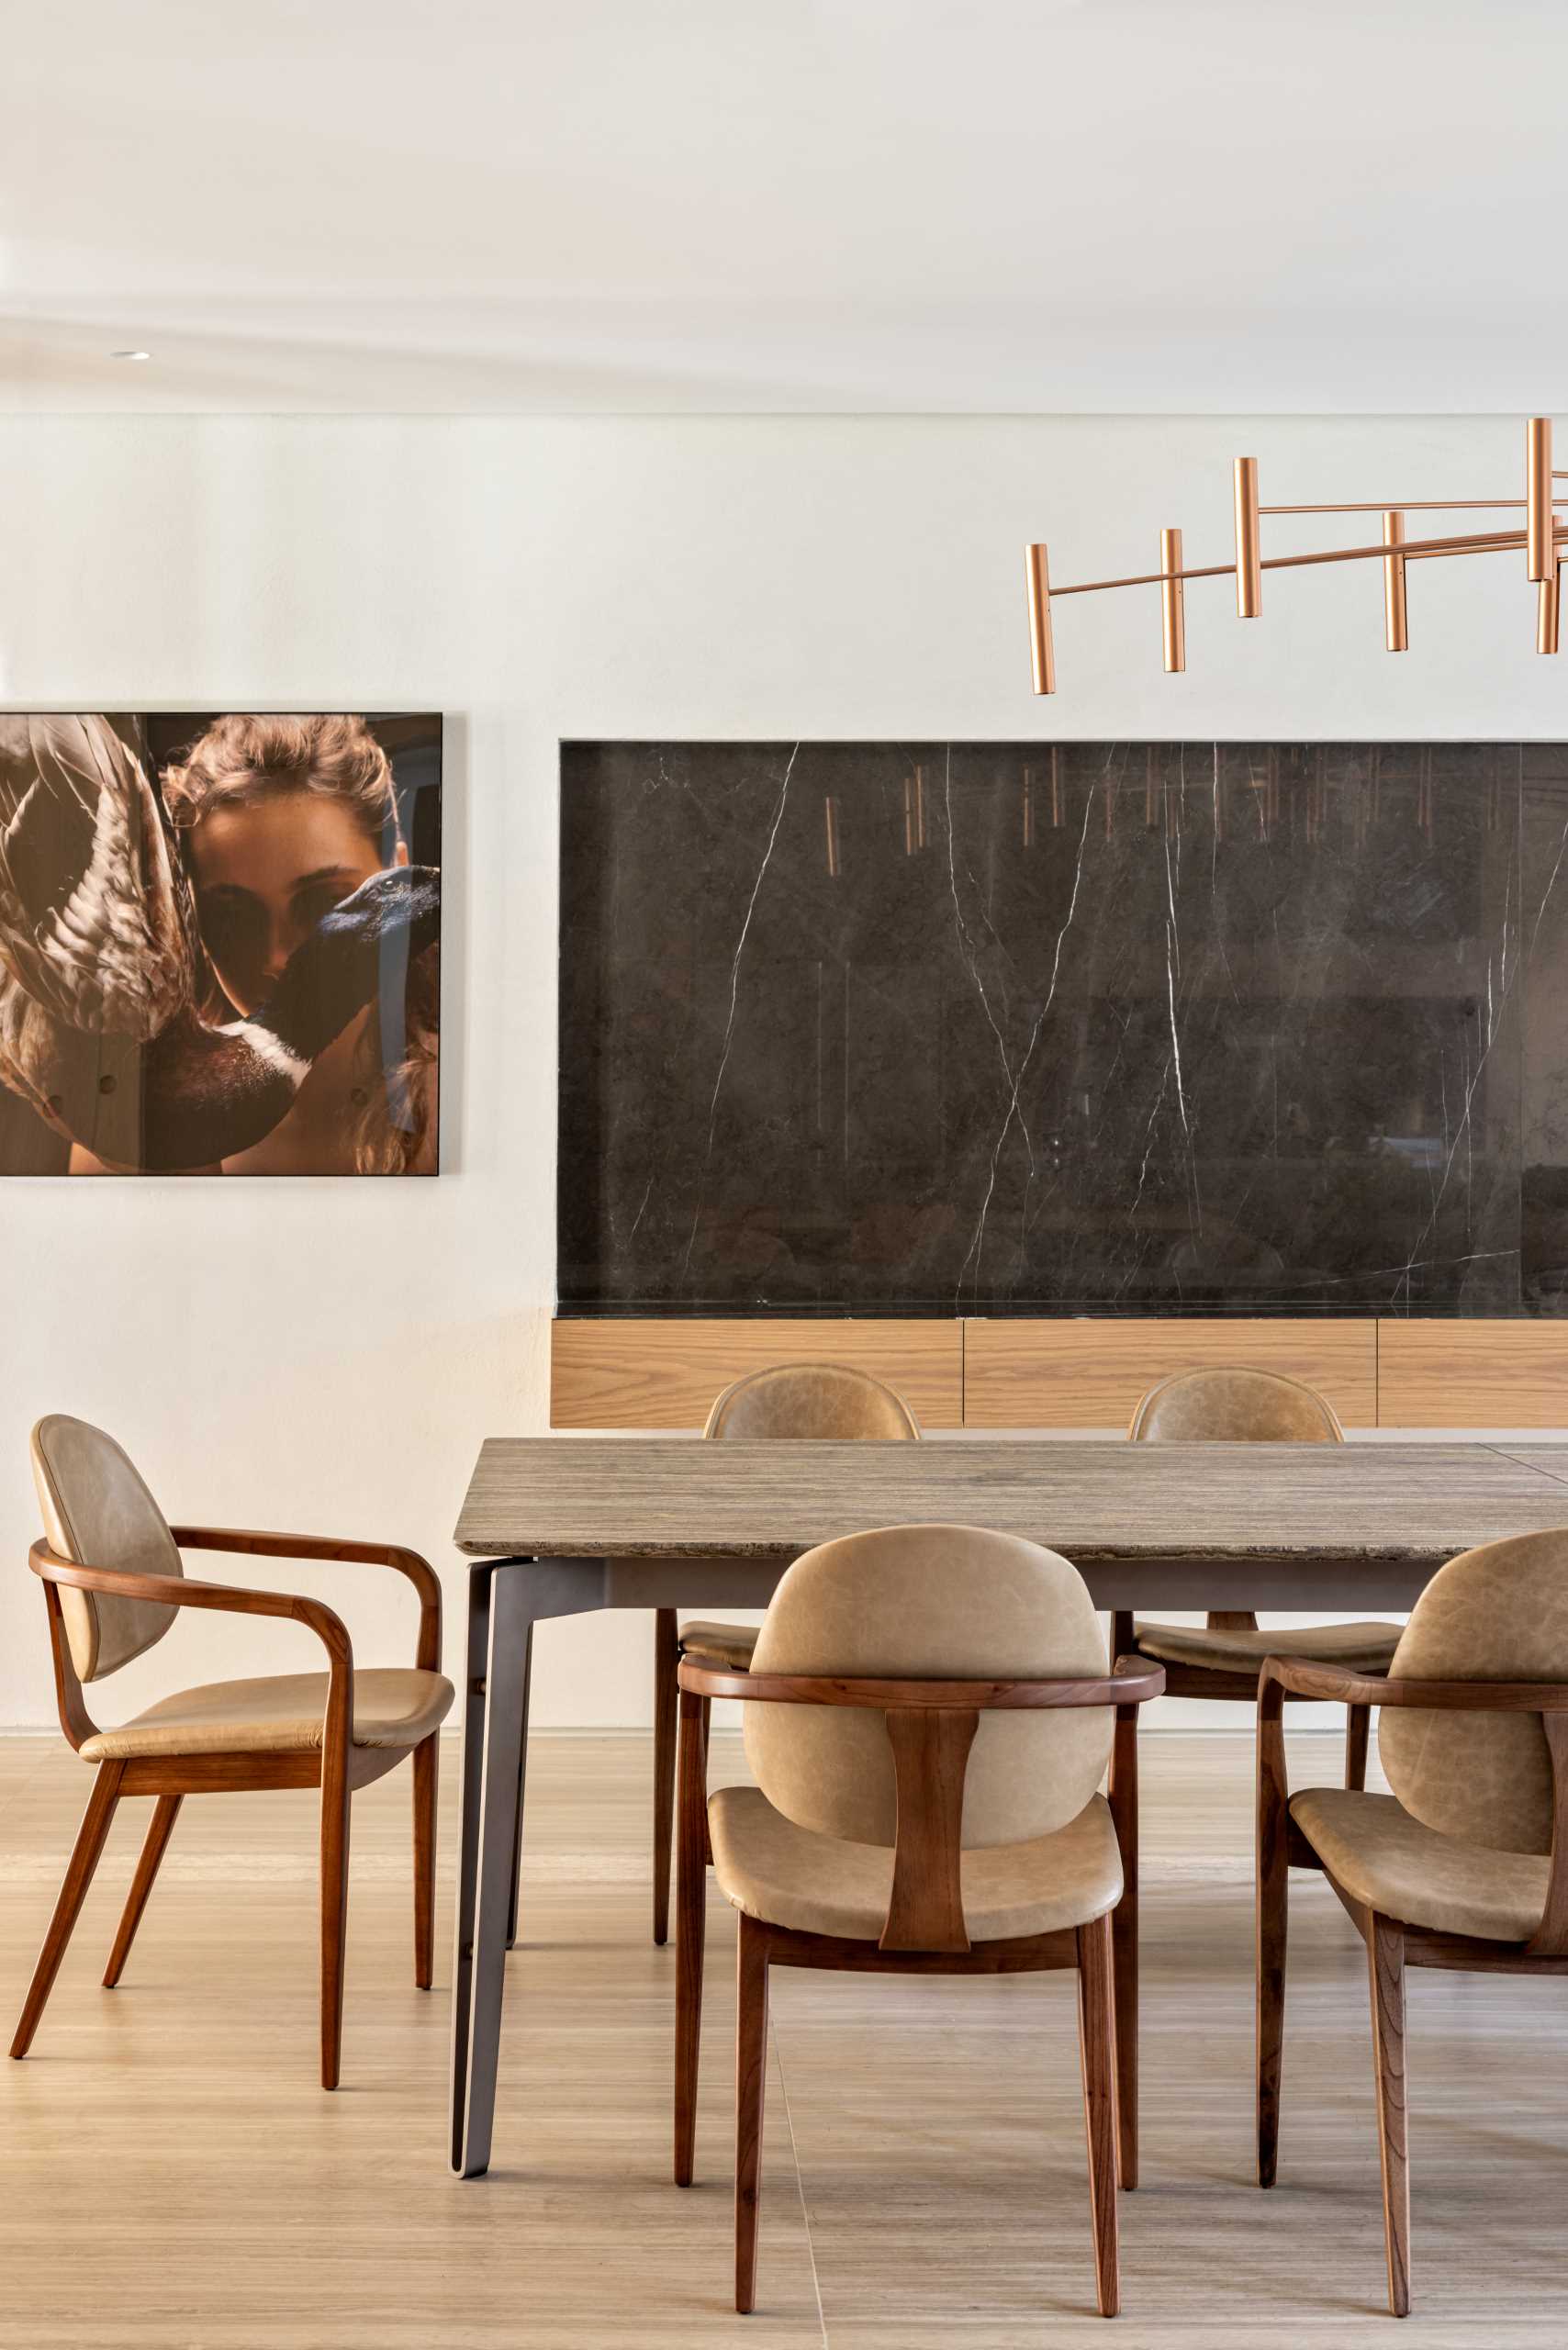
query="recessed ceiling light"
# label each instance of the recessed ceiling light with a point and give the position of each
(131, 354)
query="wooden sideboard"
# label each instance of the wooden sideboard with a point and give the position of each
(1080, 1374)
(1474, 1374)
(664, 1373)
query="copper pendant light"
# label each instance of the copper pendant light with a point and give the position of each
(1541, 539)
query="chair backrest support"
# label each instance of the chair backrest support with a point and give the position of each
(934, 1603)
(811, 1399)
(98, 1512)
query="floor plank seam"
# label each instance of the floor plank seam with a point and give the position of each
(799, 2180)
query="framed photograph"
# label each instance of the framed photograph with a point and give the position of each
(219, 942)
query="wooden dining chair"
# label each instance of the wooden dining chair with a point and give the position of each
(113, 1583)
(928, 1717)
(1232, 1404)
(830, 1400)
(1465, 1864)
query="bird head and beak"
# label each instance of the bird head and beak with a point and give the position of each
(96, 924)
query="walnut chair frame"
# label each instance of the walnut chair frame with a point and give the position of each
(1391, 1943)
(931, 1726)
(338, 1767)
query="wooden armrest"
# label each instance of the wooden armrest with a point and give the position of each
(1340, 1686)
(184, 1591)
(328, 1547)
(1131, 1686)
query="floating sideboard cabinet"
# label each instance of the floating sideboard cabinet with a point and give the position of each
(1023, 1072)
(1018, 1373)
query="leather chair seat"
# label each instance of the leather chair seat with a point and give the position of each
(791, 1876)
(1363, 1647)
(1384, 1856)
(728, 1646)
(283, 1711)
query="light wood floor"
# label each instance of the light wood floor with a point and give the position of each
(171, 2176)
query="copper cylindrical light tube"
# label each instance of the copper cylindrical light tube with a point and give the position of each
(1395, 620)
(1172, 611)
(1548, 611)
(1042, 653)
(1249, 540)
(1538, 497)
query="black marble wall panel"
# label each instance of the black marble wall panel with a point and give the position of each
(994, 1028)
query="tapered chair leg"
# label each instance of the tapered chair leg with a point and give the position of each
(84, 1857)
(1097, 2043)
(334, 1923)
(1124, 1798)
(165, 1811)
(691, 1925)
(751, 2075)
(1358, 1728)
(1271, 1932)
(426, 1787)
(667, 1695)
(1385, 1969)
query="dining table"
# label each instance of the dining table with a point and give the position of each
(559, 1525)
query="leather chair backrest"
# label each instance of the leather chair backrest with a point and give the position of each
(947, 1603)
(1232, 1404)
(811, 1399)
(1499, 1612)
(98, 1512)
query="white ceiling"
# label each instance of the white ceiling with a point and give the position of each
(970, 206)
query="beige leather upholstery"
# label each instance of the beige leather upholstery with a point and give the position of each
(930, 1601)
(794, 1399)
(98, 1513)
(1364, 1648)
(1499, 1612)
(279, 1712)
(1231, 1404)
(727, 1645)
(822, 1885)
(811, 1399)
(1394, 1864)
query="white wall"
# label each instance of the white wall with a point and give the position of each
(328, 1355)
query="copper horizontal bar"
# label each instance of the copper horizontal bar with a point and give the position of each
(1402, 506)
(1149, 580)
(1478, 542)
(1481, 544)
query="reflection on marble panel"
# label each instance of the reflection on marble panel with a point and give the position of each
(994, 1028)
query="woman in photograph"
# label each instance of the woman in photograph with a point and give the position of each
(280, 819)
(119, 1052)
